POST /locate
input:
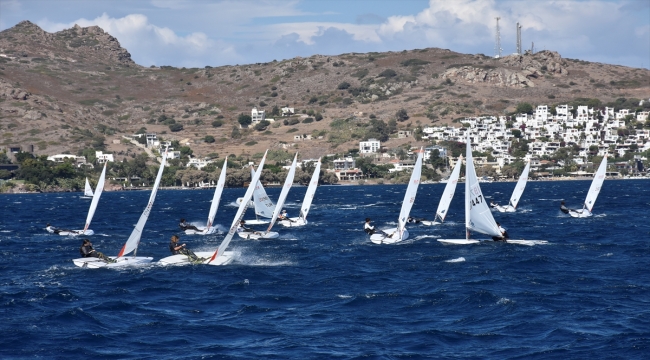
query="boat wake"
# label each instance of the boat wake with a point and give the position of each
(460, 259)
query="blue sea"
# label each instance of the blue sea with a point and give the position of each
(324, 290)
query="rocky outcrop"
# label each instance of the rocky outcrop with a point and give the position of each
(94, 39)
(496, 77)
(533, 65)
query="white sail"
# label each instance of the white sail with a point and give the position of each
(240, 212)
(596, 185)
(263, 205)
(88, 191)
(411, 191)
(521, 185)
(133, 241)
(283, 194)
(96, 196)
(478, 216)
(448, 193)
(217, 196)
(311, 191)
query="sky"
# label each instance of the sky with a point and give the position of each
(193, 33)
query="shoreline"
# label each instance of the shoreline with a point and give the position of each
(354, 183)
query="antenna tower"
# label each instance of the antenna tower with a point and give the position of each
(532, 48)
(497, 48)
(518, 39)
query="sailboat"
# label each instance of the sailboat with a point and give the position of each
(268, 234)
(594, 190)
(131, 245)
(88, 191)
(447, 195)
(478, 216)
(301, 220)
(221, 256)
(516, 194)
(91, 211)
(263, 205)
(390, 236)
(209, 229)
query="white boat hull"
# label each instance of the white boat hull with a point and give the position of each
(429, 223)
(203, 231)
(391, 238)
(70, 232)
(224, 259)
(507, 208)
(293, 223)
(95, 263)
(459, 241)
(250, 202)
(476, 241)
(582, 213)
(257, 222)
(258, 235)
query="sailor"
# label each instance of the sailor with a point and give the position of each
(493, 204)
(86, 250)
(242, 227)
(185, 226)
(52, 229)
(504, 234)
(412, 220)
(284, 216)
(176, 249)
(369, 229)
(563, 208)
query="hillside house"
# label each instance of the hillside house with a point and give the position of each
(370, 146)
(257, 115)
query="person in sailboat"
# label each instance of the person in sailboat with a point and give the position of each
(52, 229)
(177, 248)
(370, 230)
(412, 220)
(283, 216)
(185, 226)
(504, 234)
(243, 229)
(564, 209)
(493, 204)
(87, 250)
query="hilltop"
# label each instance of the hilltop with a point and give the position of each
(76, 88)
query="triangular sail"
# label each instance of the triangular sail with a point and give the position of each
(263, 205)
(521, 185)
(448, 193)
(134, 239)
(409, 196)
(88, 191)
(596, 185)
(311, 191)
(283, 194)
(217, 195)
(478, 216)
(95, 201)
(240, 212)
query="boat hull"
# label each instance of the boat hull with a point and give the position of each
(224, 259)
(582, 213)
(203, 231)
(295, 222)
(429, 223)
(95, 263)
(391, 238)
(504, 209)
(258, 235)
(257, 222)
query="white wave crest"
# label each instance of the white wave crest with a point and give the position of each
(460, 259)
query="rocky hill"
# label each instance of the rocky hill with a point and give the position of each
(69, 90)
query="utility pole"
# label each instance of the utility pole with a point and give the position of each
(497, 48)
(518, 39)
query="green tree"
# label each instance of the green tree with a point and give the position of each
(209, 139)
(235, 134)
(244, 120)
(401, 115)
(524, 108)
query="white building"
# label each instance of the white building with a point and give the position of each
(257, 115)
(60, 158)
(287, 111)
(198, 163)
(102, 158)
(370, 146)
(347, 163)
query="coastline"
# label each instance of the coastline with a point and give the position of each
(19, 189)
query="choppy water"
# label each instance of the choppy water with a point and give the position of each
(325, 291)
